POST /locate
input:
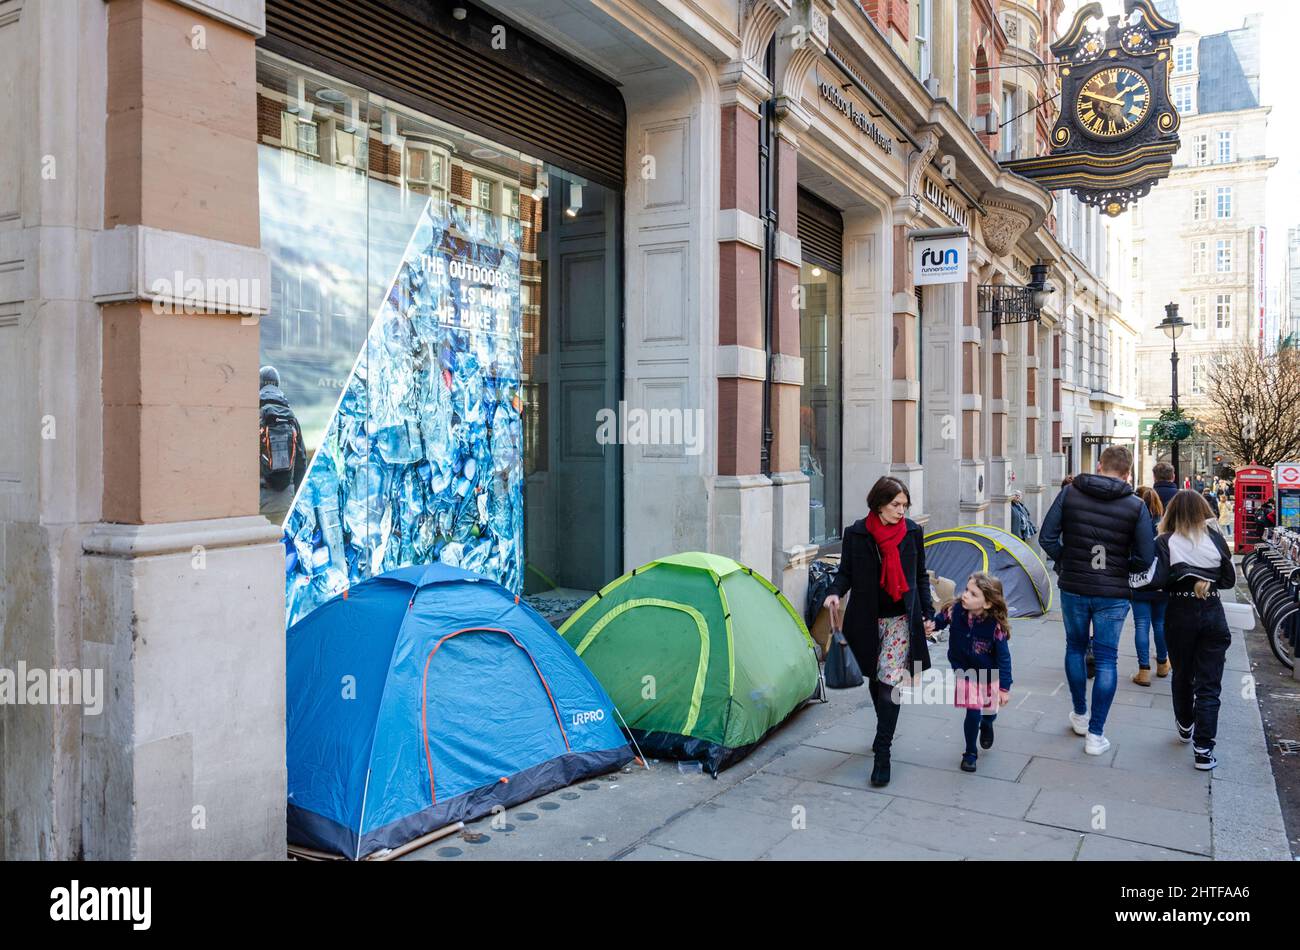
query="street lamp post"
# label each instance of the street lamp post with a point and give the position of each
(1173, 325)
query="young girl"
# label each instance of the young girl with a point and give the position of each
(978, 643)
(1191, 560)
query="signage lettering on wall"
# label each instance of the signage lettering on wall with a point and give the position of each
(831, 93)
(938, 196)
(940, 261)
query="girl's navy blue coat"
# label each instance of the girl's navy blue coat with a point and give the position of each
(976, 644)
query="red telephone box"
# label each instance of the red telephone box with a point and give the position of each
(1252, 487)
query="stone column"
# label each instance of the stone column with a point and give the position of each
(999, 463)
(791, 490)
(743, 509)
(973, 485)
(183, 581)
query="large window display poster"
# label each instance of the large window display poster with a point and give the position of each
(421, 460)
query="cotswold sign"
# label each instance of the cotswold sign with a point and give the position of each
(831, 93)
(938, 196)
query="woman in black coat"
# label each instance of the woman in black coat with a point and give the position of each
(882, 565)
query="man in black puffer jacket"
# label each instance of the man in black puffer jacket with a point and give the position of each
(1096, 531)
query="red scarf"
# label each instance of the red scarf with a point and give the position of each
(892, 579)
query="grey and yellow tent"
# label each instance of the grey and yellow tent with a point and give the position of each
(702, 656)
(956, 553)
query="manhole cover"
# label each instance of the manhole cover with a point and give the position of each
(569, 796)
(548, 806)
(526, 816)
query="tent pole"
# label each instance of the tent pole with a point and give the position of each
(419, 842)
(645, 763)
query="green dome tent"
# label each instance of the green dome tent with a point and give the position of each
(956, 553)
(701, 656)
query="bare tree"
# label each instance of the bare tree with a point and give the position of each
(1254, 411)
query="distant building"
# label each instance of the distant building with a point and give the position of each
(1291, 284)
(1199, 238)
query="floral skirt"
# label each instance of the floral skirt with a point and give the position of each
(895, 649)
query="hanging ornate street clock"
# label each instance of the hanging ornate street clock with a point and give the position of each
(1117, 129)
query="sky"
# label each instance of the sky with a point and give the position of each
(1279, 87)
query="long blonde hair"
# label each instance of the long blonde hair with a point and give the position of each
(1186, 515)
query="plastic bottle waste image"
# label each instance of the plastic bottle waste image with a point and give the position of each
(422, 459)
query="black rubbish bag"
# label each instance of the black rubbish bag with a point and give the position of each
(820, 575)
(841, 666)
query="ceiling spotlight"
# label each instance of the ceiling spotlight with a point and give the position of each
(460, 13)
(816, 271)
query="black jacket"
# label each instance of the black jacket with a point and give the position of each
(859, 575)
(1161, 575)
(1165, 490)
(1097, 531)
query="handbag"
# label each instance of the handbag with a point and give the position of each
(842, 670)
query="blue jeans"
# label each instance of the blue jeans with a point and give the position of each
(1105, 615)
(1148, 618)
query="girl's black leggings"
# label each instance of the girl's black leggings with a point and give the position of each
(1197, 636)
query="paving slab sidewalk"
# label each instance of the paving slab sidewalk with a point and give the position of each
(804, 795)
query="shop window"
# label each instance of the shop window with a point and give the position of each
(449, 359)
(820, 398)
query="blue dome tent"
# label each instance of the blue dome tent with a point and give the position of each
(430, 695)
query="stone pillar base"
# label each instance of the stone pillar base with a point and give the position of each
(187, 758)
(742, 519)
(791, 551)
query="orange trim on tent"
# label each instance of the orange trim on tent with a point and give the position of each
(424, 695)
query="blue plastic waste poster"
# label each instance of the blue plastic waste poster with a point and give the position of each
(422, 458)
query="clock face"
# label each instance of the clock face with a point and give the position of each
(1113, 102)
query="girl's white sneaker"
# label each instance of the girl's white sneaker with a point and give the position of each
(1095, 745)
(1079, 723)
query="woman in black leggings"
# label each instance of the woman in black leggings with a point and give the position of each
(1192, 560)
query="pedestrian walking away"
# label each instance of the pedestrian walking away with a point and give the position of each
(1097, 531)
(1192, 559)
(882, 570)
(1149, 609)
(978, 644)
(1163, 475)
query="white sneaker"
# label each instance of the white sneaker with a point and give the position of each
(1079, 723)
(1095, 745)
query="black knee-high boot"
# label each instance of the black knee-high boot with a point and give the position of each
(886, 723)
